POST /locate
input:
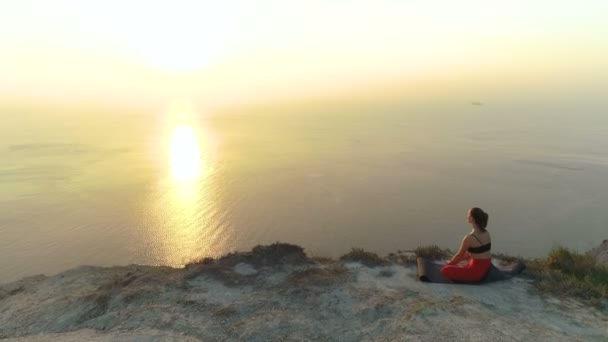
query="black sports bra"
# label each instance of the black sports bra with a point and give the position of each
(479, 249)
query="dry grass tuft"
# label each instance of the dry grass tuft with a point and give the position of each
(432, 252)
(407, 258)
(364, 257)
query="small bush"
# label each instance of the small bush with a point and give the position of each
(432, 252)
(571, 263)
(364, 257)
(276, 254)
(203, 261)
(567, 273)
(279, 253)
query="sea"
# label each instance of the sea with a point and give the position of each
(117, 185)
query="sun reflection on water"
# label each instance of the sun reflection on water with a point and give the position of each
(185, 210)
(185, 155)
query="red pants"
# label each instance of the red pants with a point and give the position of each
(475, 270)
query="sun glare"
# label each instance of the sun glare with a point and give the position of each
(185, 155)
(177, 36)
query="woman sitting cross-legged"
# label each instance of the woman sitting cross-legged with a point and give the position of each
(476, 247)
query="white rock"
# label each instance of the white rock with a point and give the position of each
(600, 253)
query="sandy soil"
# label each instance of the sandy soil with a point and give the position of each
(328, 301)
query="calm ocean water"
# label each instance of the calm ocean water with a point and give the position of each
(120, 187)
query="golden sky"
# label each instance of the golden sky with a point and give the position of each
(231, 51)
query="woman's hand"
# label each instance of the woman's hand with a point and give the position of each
(454, 261)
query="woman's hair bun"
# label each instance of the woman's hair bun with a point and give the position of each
(480, 217)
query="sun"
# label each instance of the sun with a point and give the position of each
(180, 36)
(178, 50)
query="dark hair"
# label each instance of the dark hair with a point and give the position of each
(480, 217)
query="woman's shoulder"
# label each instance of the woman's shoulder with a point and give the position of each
(485, 236)
(469, 237)
(478, 236)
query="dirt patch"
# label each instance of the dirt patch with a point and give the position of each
(222, 273)
(318, 276)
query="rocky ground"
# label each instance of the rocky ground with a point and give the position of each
(282, 295)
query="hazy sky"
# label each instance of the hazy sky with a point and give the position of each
(227, 51)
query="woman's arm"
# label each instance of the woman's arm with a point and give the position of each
(462, 252)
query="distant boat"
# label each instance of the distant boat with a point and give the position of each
(476, 103)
